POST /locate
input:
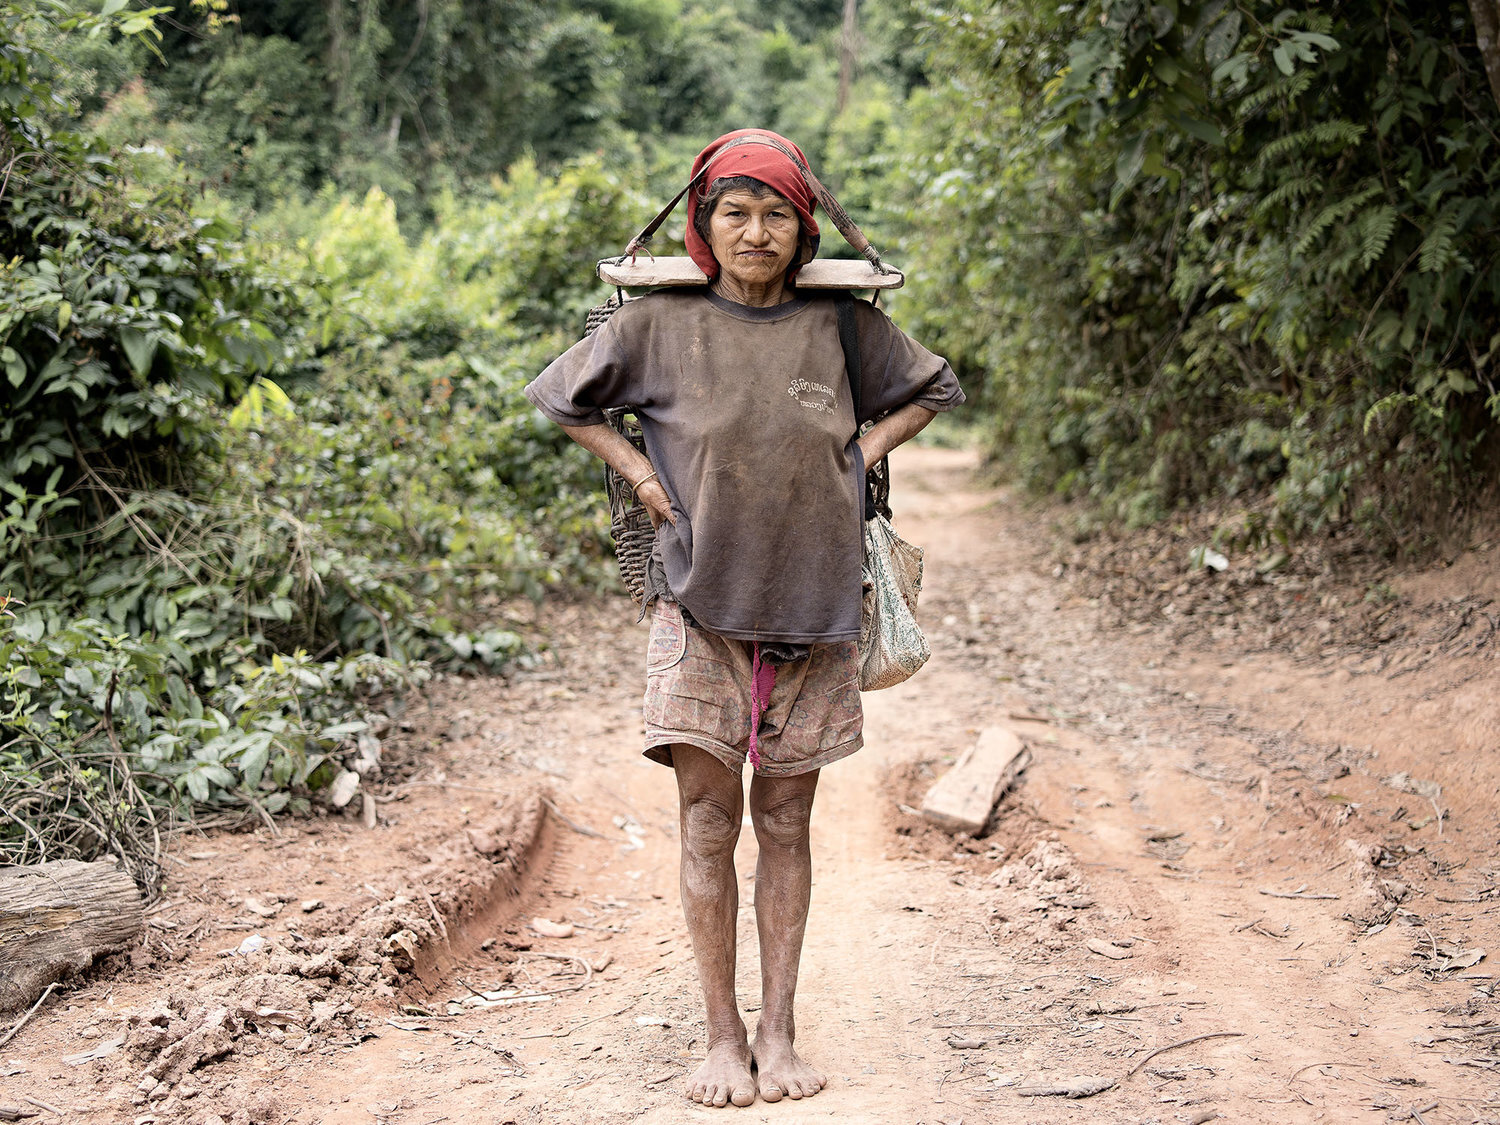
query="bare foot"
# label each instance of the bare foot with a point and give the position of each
(781, 1071)
(724, 1076)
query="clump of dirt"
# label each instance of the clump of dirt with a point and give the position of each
(1376, 898)
(1041, 897)
(265, 995)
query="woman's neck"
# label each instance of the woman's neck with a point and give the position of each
(756, 296)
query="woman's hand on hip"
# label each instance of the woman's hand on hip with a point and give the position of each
(608, 444)
(658, 505)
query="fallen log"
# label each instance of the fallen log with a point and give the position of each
(56, 918)
(963, 797)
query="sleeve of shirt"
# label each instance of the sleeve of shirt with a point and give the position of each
(592, 375)
(897, 371)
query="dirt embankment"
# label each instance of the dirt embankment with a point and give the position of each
(1249, 876)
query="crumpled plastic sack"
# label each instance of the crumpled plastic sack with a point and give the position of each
(891, 644)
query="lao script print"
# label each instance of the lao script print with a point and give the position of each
(814, 396)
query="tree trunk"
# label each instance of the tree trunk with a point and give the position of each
(1487, 33)
(55, 918)
(849, 49)
(337, 60)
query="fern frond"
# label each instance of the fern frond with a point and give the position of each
(1337, 133)
(1255, 99)
(1325, 134)
(1330, 214)
(1298, 187)
(1375, 230)
(1437, 250)
(1386, 405)
(1287, 90)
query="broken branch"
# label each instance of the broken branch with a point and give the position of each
(581, 829)
(20, 1023)
(1295, 894)
(1081, 1087)
(1181, 1043)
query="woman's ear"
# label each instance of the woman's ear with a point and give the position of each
(808, 248)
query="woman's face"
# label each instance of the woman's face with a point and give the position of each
(754, 238)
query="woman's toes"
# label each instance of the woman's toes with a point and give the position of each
(744, 1096)
(771, 1092)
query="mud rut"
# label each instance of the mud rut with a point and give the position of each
(1170, 790)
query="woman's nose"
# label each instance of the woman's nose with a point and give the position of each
(756, 230)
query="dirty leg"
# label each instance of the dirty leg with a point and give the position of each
(711, 803)
(780, 808)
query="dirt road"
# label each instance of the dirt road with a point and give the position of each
(1230, 885)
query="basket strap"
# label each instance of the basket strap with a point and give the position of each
(843, 305)
(849, 340)
(643, 239)
(841, 220)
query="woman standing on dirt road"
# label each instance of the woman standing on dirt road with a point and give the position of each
(754, 482)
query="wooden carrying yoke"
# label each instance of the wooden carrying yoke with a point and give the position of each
(820, 273)
(867, 272)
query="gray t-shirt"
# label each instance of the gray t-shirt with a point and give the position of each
(749, 424)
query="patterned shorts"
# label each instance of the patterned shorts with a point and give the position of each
(698, 692)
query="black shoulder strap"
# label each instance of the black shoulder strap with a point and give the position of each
(843, 304)
(877, 476)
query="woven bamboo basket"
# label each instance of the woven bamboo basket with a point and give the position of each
(629, 522)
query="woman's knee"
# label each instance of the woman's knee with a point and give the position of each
(709, 825)
(711, 801)
(781, 819)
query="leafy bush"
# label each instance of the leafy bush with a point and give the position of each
(1221, 246)
(105, 737)
(208, 565)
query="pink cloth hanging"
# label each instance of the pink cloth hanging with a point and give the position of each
(762, 680)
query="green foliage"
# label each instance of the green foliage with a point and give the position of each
(417, 450)
(210, 560)
(272, 280)
(265, 318)
(74, 695)
(124, 318)
(415, 96)
(1218, 246)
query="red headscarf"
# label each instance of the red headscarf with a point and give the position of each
(771, 167)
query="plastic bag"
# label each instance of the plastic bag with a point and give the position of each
(891, 644)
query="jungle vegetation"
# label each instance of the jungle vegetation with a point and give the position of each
(274, 274)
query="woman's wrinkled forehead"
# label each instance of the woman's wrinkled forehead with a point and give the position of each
(738, 196)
